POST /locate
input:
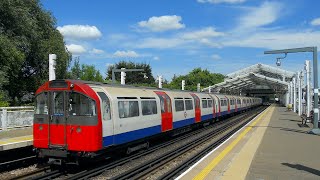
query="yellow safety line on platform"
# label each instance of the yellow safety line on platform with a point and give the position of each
(216, 160)
(15, 140)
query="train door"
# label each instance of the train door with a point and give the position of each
(196, 107)
(228, 104)
(214, 109)
(107, 121)
(58, 120)
(218, 107)
(166, 111)
(235, 104)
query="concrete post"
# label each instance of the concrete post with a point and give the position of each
(4, 119)
(308, 99)
(160, 81)
(299, 94)
(52, 67)
(123, 76)
(183, 83)
(291, 98)
(288, 95)
(198, 87)
(294, 95)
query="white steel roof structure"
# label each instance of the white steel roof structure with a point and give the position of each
(258, 76)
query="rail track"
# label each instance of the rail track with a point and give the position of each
(142, 170)
(18, 163)
(147, 167)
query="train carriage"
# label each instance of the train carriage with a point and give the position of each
(76, 119)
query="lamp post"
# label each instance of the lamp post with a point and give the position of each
(315, 129)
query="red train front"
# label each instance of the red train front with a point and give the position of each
(67, 123)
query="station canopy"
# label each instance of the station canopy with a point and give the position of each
(256, 79)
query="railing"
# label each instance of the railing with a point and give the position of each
(14, 117)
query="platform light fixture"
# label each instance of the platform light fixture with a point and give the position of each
(278, 62)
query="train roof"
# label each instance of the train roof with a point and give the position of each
(135, 87)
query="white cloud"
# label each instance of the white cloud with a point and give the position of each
(159, 43)
(162, 23)
(204, 36)
(221, 1)
(131, 54)
(276, 39)
(96, 51)
(80, 31)
(156, 58)
(315, 22)
(207, 32)
(266, 14)
(76, 49)
(215, 57)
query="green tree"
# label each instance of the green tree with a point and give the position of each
(145, 77)
(85, 72)
(197, 75)
(3, 95)
(89, 73)
(76, 71)
(28, 35)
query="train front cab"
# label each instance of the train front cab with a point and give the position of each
(67, 122)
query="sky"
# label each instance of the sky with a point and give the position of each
(176, 36)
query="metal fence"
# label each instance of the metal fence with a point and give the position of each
(13, 117)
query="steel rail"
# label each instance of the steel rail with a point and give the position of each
(98, 170)
(187, 163)
(149, 166)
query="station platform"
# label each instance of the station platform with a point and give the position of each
(272, 146)
(16, 138)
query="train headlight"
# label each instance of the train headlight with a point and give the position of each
(78, 129)
(40, 127)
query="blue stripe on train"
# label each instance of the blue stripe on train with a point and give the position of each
(141, 133)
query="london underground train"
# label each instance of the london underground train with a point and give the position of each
(77, 119)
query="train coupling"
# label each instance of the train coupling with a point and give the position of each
(54, 161)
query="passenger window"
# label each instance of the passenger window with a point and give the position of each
(204, 104)
(168, 104)
(41, 103)
(209, 103)
(105, 105)
(179, 105)
(128, 109)
(81, 105)
(58, 103)
(189, 105)
(162, 104)
(149, 107)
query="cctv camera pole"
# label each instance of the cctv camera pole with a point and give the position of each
(52, 67)
(315, 129)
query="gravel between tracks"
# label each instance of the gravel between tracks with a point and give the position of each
(121, 169)
(18, 172)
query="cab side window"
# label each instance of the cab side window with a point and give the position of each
(105, 105)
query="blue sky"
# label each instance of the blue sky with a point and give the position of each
(176, 36)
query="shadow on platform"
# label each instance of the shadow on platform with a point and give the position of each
(285, 129)
(303, 168)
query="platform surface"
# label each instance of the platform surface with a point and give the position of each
(15, 138)
(273, 146)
